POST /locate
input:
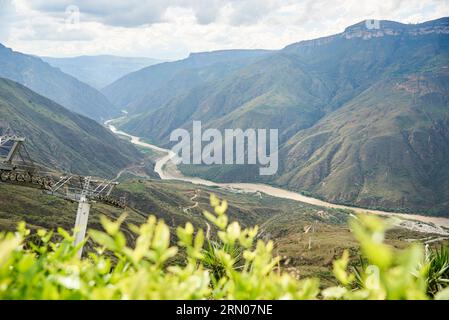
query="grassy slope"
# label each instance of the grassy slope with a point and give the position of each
(55, 85)
(61, 139)
(283, 221)
(149, 88)
(386, 148)
(271, 93)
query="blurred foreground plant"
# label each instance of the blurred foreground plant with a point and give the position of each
(385, 272)
(438, 276)
(235, 266)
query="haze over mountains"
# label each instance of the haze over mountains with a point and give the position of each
(362, 115)
(100, 71)
(149, 88)
(54, 84)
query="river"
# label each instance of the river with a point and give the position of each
(167, 170)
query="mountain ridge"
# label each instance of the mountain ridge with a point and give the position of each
(54, 84)
(61, 139)
(101, 70)
(384, 28)
(131, 90)
(297, 87)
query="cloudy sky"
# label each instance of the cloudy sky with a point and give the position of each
(171, 29)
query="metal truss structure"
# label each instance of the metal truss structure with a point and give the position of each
(16, 167)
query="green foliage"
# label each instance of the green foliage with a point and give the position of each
(211, 259)
(235, 266)
(386, 273)
(438, 276)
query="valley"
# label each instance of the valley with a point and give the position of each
(100, 71)
(168, 171)
(59, 139)
(362, 115)
(361, 120)
(51, 82)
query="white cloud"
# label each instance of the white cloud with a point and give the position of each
(6, 17)
(173, 28)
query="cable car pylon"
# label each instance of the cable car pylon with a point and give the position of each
(85, 190)
(82, 189)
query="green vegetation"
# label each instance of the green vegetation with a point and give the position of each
(307, 238)
(361, 121)
(49, 269)
(59, 138)
(212, 261)
(437, 278)
(149, 88)
(375, 151)
(438, 274)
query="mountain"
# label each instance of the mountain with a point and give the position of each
(362, 115)
(54, 84)
(270, 93)
(385, 148)
(384, 142)
(99, 71)
(151, 87)
(59, 138)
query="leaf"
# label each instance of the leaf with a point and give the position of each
(103, 239)
(209, 216)
(339, 268)
(161, 239)
(65, 234)
(221, 209)
(214, 201)
(7, 246)
(233, 232)
(112, 227)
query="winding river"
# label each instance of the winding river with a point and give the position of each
(168, 171)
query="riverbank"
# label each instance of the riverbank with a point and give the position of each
(167, 170)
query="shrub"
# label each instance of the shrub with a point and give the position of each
(438, 275)
(235, 266)
(387, 273)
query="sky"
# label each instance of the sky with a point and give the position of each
(171, 29)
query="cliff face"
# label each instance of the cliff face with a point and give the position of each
(370, 29)
(379, 28)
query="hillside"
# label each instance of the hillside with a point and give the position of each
(275, 92)
(99, 71)
(389, 84)
(304, 251)
(54, 84)
(59, 138)
(386, 148)
(150, 88)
